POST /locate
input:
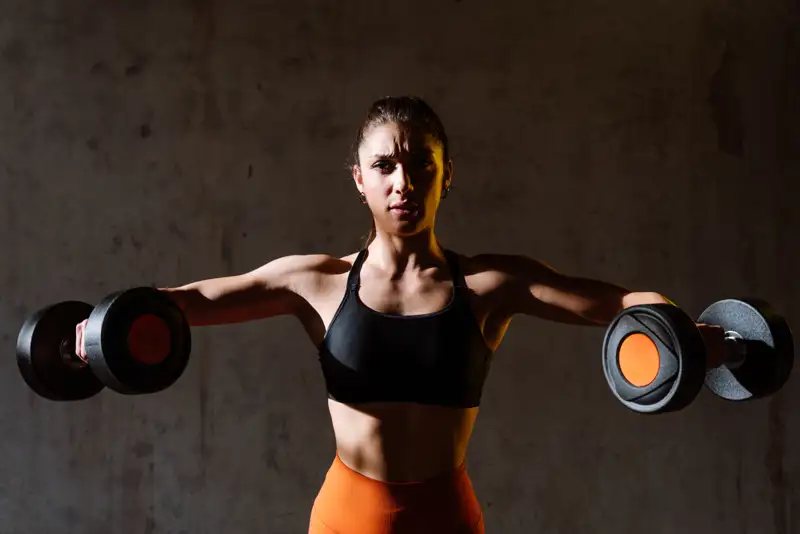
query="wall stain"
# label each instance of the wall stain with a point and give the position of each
(143, 449)
(176, 231)
(136, 67)
(205, 32)
(116, 244)
(789, 87)
(149, 521)
(740, 497)
(16, 53)
(775, 464)
(203, 413)
(100, 69)
(226, 248)
(278, 437)
(131, 479)
(322, 123)
(725, 104)
(206, 426)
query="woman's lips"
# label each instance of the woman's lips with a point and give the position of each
(404, 209)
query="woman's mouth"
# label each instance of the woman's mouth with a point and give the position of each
(403, 208)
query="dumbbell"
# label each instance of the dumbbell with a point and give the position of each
(655, 359)
(117, 356)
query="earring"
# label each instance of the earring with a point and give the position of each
(362, 198)
(446, 192)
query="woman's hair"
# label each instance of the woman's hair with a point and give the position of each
(409, 110)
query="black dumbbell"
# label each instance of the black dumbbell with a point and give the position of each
(116, 357)
(760, 349)
(655, 359)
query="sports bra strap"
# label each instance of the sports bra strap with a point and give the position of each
(455, 269)
(354, 277)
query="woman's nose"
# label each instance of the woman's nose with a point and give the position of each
(403, 181)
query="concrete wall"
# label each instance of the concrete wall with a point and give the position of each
(652, 144)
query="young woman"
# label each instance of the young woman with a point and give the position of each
(406, 330)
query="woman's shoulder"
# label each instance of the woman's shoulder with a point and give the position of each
(485, 262)
(483, 273)
(500, 267)
(316, 263)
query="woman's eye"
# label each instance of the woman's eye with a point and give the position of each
(386, 166)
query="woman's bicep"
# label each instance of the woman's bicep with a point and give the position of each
(268, 291)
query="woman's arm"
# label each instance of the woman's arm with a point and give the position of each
(530, 287)
(271, 290)
(534, 288)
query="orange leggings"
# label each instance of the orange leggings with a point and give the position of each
(351, 503)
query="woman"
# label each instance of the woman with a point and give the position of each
(406, 330)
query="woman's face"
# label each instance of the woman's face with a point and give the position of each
(402, 172)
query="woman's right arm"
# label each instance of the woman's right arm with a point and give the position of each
(271, 290)
(276, 288)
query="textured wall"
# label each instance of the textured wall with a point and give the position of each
(652, 144)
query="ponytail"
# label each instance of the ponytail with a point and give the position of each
(371, 236)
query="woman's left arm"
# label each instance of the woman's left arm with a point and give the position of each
(531, 287)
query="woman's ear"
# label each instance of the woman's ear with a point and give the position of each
(447, 178)
(358, 178)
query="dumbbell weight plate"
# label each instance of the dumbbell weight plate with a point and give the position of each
(654, 358)
(769, 346)
(39, 353)
(137, 341)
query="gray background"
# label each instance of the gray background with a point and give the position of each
(652, 144)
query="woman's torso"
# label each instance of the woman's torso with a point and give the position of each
(405, 441)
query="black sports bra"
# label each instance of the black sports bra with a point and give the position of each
(436, 358)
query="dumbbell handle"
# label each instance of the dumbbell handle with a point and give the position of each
(735, 350)
(67, 351)
(723, 347)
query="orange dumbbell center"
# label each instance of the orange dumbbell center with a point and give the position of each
(639, 360)
(149, 340)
